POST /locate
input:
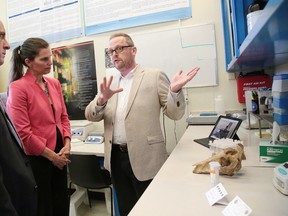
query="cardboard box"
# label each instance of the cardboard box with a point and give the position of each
(273, 153)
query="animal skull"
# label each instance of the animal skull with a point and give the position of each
(229, 159)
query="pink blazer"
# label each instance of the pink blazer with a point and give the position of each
(33, 115)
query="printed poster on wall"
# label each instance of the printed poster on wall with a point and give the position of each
(52, 20)
(102, 16)
(74, 67)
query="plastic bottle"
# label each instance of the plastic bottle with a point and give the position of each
(219, 105)
(253, 12)
(214, 173)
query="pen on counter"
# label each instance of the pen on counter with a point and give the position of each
(208, 114)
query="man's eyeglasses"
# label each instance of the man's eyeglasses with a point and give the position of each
(117, 50)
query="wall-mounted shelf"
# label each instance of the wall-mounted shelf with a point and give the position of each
(266, 45)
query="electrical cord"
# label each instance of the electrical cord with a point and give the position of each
(175, 134)
(164, 129)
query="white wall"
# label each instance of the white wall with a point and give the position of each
(199, 99)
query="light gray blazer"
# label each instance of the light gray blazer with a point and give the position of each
(149, 93)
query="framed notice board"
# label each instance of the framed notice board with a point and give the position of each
(180, 49)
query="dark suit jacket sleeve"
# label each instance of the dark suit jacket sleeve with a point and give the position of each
(6, 207)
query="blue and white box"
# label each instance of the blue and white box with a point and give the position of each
(280, 98)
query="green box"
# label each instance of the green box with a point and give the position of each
(270, 153)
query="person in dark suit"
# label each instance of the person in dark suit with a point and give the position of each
(130, 104)
(18, 189)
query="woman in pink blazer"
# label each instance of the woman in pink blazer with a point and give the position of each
(37, 108)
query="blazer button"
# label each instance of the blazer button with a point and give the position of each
(110, 141)
(36, 187)
(178, 103)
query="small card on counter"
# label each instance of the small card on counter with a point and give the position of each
(237, 207)
(217, 194)
(94, 139)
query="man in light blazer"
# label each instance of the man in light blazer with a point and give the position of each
(18, 189)
(130, 103)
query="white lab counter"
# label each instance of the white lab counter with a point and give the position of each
(176, 190)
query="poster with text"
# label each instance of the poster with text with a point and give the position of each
(74, 67)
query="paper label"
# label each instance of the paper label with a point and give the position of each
(237, 207)
(217, 195)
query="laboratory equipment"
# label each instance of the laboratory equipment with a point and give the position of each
(280, 178)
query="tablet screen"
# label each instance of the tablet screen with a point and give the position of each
(225, 127)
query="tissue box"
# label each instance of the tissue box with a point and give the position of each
(273, 153)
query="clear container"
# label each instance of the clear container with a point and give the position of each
(219, 105)
(254, 11)
(214, 173)
(252, 19)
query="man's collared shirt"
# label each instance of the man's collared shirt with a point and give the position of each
(119, 135)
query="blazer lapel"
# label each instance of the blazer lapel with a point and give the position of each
(139, 73)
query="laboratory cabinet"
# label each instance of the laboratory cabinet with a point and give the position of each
(266, 44)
